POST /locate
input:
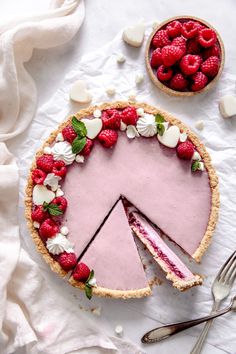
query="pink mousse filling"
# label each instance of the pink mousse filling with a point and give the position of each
(151, 177)
(163, 252)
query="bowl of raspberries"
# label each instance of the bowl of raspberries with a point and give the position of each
(184, 56)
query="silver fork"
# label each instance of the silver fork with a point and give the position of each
(220, 290)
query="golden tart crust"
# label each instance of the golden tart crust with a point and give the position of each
(213, 180)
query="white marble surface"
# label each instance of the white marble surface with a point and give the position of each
(103, 20)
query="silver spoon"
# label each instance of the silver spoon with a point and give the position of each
(160, 333)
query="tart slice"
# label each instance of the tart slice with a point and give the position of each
(176, 271)
(114, 257)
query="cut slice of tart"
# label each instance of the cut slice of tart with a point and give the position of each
(114, 257)
(176, 271)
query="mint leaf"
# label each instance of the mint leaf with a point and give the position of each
(78, 145)
(88, 291)
(91, 275)
(159, 118)
(79, 127)
(52, 209)
(160, 129)
(195, 166)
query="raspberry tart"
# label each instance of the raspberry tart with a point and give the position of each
(184, 56)
(110, 175)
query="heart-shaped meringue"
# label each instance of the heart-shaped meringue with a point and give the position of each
(93, 127)
(170, 137)
(79, 92)
(227, 106)
(41, 194)
(134, 35)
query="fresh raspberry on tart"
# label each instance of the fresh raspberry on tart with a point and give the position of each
(200, 80)
(161, 39)
(185, 150)
(210, 67)
(171, 54)
(108, 137)
(111, 119)
(190, 64)
(38, 176)
(39, 214)
(164, 73)
(59, 168)
(129, 115)
(87, 148)
(174, 29)
(67, 260)
(81, 272)
(61, 202)
(48, 229)
(69, 134)
(156, 58)
(45, 163)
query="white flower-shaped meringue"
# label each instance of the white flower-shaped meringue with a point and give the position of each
(52, 181)
(63, 151)
(146, 125)
(59, 244)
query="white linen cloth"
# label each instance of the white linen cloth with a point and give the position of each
(33, 315)
(100, 70)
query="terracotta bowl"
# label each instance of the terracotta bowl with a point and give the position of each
(152, 72)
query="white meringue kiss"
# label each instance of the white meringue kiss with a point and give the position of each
(146, 125)
(59, 244)
(63, 151)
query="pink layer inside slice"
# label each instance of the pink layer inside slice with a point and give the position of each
(151, 177)
(113, 255)
(162, 251)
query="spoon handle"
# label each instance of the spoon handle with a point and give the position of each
(160, 333)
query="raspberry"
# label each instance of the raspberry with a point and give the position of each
(160, 39)
(108, 137)
(156, 58)
(61, 202)
(185, 150)
(87, 148)
(67, 260)
(180, 42)
(59, 168)
(129, 115)
(210, 67)
(213, 51)
(69, 134)
(193, 47)
(199, 81)
(164, 73)
(190, 29)
(171, 54)
(48, 229)
(207, 37)
(38, 176)
(174, 29)
(81, 272)
(111, 119)
(190, 64)
(38, 214)
(178, 82)
(45, 163)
